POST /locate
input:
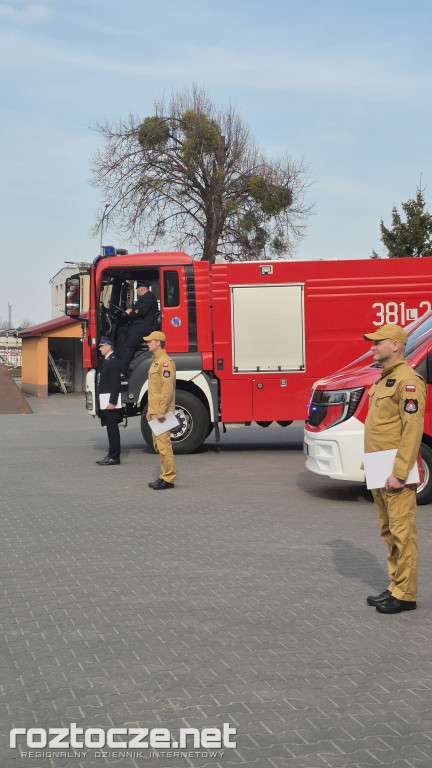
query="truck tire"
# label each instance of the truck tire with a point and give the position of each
(194, 424)
(424, 490)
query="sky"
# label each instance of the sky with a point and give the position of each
(342, 86)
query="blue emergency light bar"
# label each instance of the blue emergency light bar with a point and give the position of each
(109, 250)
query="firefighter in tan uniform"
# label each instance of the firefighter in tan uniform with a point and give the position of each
(395, 420)
(161, 400)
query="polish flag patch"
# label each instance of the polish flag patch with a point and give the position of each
(410, 388)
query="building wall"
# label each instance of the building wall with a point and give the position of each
(34, 375)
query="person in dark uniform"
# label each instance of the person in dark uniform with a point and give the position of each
(140, 322)
(395, 420)
(108, 388)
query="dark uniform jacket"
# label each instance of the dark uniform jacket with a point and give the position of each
(144, 313)
(396, 415)
(108, 377)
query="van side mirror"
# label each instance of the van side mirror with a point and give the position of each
(428, 372)
(73, 296)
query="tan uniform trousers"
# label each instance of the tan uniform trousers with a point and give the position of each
(162, 445)
(396, 515)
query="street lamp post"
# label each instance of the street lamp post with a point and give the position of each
(102, 225)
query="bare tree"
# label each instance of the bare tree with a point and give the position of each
(191, 175)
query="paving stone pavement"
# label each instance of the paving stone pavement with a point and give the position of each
(238, 597)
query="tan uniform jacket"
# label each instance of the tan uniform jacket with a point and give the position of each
(161, 384)
(396, 415)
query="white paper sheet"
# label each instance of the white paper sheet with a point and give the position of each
(378, 466)
(159, 427)
(104, 400)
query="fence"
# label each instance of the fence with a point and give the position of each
(10, 353)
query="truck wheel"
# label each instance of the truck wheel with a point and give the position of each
(424, 490)
(194, 424)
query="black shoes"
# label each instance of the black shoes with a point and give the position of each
(107, 462)
(393, 605)
(377, 599)
(160, 485)
(386, 603)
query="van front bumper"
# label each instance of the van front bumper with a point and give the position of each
(336, 452)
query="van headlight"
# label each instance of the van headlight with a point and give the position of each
(333, 405)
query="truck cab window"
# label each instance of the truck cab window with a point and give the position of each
(105, 295)
(171, 289)
(105, 319)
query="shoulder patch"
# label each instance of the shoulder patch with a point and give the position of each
(410, 388)
(411, 406)
(390, 382)
(166, 374)
(166, 365)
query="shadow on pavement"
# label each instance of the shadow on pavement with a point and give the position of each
(256, 438)
(225, 447)
(353, 562)
(334, 490)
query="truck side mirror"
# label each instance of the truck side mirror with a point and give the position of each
(73, 296)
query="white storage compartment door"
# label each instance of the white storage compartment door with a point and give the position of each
(268, 328)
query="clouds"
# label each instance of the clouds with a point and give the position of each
(316, 58)
(343, 85)
(22, 12)
(295, 71)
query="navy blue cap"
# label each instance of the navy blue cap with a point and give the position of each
(104, 340)
(143, 283)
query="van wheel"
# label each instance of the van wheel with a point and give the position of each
(424, 490)
(194, 424)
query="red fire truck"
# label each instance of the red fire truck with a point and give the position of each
(338, 407)
(248, 339)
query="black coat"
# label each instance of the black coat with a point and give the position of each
(108, 377)
(144, 313)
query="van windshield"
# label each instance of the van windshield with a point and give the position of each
(418, 337)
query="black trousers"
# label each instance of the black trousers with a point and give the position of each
(128, 339)
(109, 419)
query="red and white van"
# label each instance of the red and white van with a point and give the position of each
(333, 441)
